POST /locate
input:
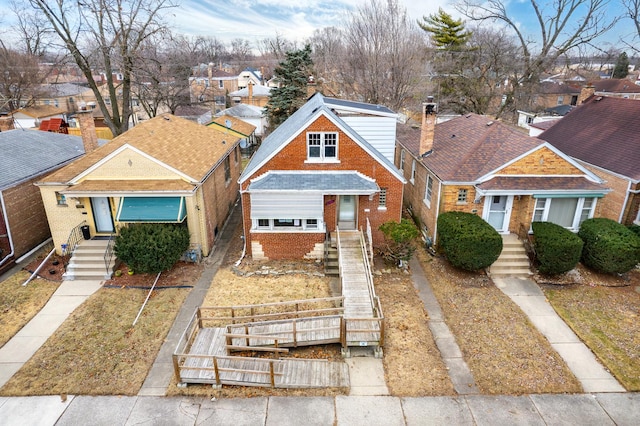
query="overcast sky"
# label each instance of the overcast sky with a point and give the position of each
(297, 19)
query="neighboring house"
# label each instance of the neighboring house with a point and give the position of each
(66, 96)
(476, 165)
(551, 94)
(251, 95)
(211, 85)
(166, 169)
(233, 125)
(329, 165)
(26, 156)
(30, 117)
(603, 134)
(199, 114)
(250, 113)
(249, 75)
(617, 88)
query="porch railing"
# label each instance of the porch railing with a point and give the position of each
(74, 236)
(108, 254)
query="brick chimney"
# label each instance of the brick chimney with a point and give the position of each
(250, 89)
(427, 131)
(586, 92)
(87, 129)
(6, 123)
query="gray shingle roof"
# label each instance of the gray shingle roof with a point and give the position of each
(242, 110)
(25, 154)
(319, 181)
(295, 123)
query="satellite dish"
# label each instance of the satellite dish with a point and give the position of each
(227, 123)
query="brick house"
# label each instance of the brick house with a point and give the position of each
(603, 135)
(476, 165)
(167, 169)
(27, 156)
(329, 165)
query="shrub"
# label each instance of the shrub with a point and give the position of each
(399, 240)
(609, 246)
(152, 247)
(633, 228)
(467, 241)
(558, 250)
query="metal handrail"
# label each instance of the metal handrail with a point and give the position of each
(74, 236)
(368, 274)
(108, 254)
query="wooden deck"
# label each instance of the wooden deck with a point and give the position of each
(208, 362)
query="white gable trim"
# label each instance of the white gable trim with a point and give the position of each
(118, 151)
(347, 130)
(588, 174)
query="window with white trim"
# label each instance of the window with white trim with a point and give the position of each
(322, 146)
(227, 169)
(428, 191)
(61, 200)
(413, 171)
(560, 100)
(462, 196)
(288, 224)
(566, 212)
(220, 84)
(402, 155)
(382, 198)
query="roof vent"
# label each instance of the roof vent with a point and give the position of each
(599, 98)
(489, 123)
(166, 117)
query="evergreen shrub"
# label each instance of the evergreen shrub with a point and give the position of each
(609, 246)
(467, 241)
(558, 250)
(152, 247)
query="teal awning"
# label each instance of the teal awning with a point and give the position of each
(570, 195)
(151, 209)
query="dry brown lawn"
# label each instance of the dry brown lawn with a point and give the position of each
(607, 319)
(412, 362)
(18, 304)
(504, 351)
(96, 351)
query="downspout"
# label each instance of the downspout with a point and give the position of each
(6, 222)
(435, 227)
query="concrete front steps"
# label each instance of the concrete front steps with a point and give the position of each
(513, 261)
(87, 262)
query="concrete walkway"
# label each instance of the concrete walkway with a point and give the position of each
(32, 336)
(458, 370)
(578, 357)
(620, 409)
(161, 371)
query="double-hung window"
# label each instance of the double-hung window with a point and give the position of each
(566, 212)
(322, 146)
(428, 192)
(413, 172)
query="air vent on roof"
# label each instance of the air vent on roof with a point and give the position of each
(489, 123)
(599, 98)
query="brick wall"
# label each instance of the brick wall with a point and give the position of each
(541, 162)
(352, 157)
(612, 204)
(285, 245)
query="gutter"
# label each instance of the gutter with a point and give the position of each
(626, 200)
(6, 222)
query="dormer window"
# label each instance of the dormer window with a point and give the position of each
(322, 146)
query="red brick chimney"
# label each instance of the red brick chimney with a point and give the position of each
(427, 131)
(6, 123)
(87, 129)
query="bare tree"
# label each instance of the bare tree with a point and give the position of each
(633, 12)
(20, 78)
(562, 24)
(108, 34)
(329, 58)
(32, 30)
(386, 53)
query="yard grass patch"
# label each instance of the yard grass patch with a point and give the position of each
(607, 319)
(19, 304)
(504, 351)
(96, 351)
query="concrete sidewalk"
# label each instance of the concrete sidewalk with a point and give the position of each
(578, 357)
(620, 409)
(28, 340)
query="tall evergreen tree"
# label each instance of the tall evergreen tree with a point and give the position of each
(293, 75)
(621, 69)
(446, 33)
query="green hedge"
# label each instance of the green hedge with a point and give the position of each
(609, 246)
(467, 241)
(635, 229)
(558, 250)
(152, 247)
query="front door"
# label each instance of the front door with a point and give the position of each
(498, 211)
(347, 212)
(102, 214)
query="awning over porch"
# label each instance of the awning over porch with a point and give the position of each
(322, 182)
(542, 186)
(151, 209)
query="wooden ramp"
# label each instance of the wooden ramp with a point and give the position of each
(207, 362)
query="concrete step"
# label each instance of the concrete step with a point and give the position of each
(510, 264)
